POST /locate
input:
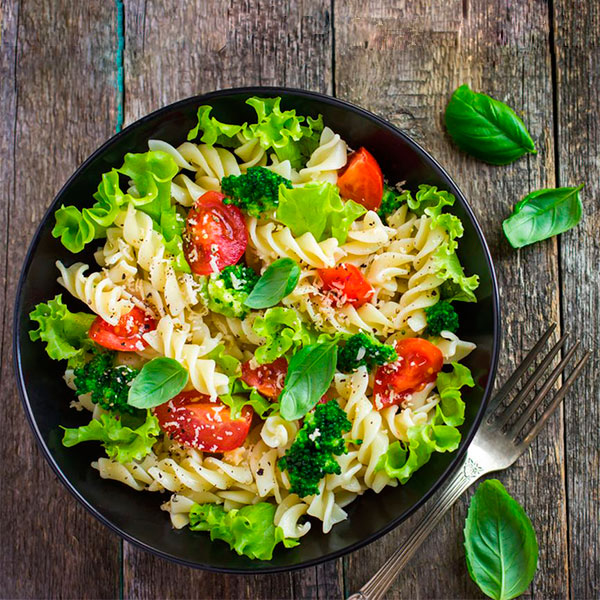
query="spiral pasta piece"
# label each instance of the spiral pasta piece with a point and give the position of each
(324, 163)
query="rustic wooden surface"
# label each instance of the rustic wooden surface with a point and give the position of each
(86, 68)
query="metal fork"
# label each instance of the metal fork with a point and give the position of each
(502, 437)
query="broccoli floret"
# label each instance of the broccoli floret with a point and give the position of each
(107, 384)
(441, 317)
(226, 291)
(256, 191)
(311, 456)
(362, 350)
(391, 201)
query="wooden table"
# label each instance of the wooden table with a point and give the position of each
(74, 72)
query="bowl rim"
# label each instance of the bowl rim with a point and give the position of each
(467, 436)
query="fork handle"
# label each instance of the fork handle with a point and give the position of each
(468, 472)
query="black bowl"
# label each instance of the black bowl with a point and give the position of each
(136, 516)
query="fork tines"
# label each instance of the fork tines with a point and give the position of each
(503, 420)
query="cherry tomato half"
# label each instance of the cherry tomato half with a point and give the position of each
(127, 334)
(215, 234)
(346, 285)
(418, 364)
(361, 180)
(268, 379)
(194, 420)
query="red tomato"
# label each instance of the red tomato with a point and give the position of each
(419, 362)
(346, 285)
(194, 420)
(268, 379)
(126, 335)
(215, 234)
(361, 180)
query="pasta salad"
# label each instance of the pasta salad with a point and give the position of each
(269, 331)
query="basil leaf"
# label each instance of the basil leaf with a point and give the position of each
(279, 280)
(309, 376)
(542, 214)
(159, 380)
(486, 128)
(500, 543)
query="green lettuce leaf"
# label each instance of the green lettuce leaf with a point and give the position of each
(213, 131)
(452, 406)
(291, 137)
(401, 459)
(241, 395)
(250, 530)
(317, 208)
(283, 331)
(64, 332)
(151, 174)
(120, 442)
(227, 363)
(456, 285)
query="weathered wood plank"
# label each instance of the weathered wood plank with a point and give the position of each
(578, 81)
(174, 52)
(58, 104)
(403, 62)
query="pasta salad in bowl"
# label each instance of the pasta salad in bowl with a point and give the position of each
(259, 323)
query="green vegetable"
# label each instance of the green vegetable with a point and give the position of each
(391, 201)
(362, 350)
(64, 332)
(291, 137)
(282, 330)
(310, 373)
(256, 191)
(500, 543)
(228, 290)
(312, 455)
(213, 131)
(227, 363)
(151, 174)
(107, 384)
(242, 395)
(159, 380)
(317, 208)
(441, 317)
(440, 435)
(456, 285)
(250, 530)
(486, 128)
(543, 214)
(120, 442)
(278, 281)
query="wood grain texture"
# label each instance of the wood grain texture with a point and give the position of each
(57, 85)
(403, 60)
(214, 45)
(577, 49)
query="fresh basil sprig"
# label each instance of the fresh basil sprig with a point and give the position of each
(500, 543)
(279, 280)
(542, 214)
(309, 376)
(486, 128)
(159, 380)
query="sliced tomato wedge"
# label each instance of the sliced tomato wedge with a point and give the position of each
(361, 180)
(268, 379)
(418, 364)
(127, 334)
(194, 420)
(215, 234)
(346, 285)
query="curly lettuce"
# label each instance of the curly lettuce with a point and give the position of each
(250, 530)
(65, 333)
(333, 218)
(290, 136)
(282, 331)
(150, 174)
(121, 443)
(241, 395)
(401, 459)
